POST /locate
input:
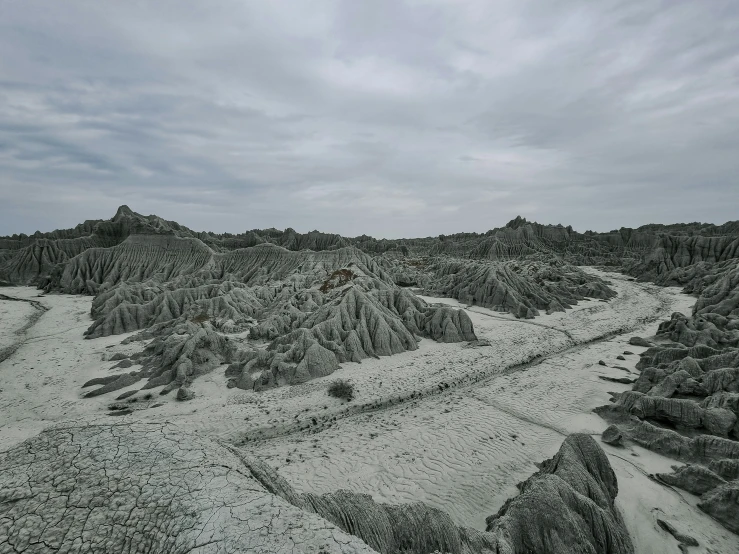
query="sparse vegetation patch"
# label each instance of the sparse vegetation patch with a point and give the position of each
(341, 389)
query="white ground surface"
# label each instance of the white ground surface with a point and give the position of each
(40, 383)
(453, 426)
(13, 316)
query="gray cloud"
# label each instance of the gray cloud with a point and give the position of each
(391, 118)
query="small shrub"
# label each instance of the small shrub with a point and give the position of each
(341, 389)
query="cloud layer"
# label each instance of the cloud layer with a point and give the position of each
(391, 118)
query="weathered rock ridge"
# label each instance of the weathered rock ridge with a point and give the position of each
(667, 254)
(521, 288)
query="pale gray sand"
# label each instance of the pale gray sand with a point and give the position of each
(41, 380)
(13, 317)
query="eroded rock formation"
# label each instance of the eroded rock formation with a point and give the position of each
(316, 309)
(685, 403)
(579, 486)
(522, 288)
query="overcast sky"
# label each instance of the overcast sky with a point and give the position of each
(386, 117)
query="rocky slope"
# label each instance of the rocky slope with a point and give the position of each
(669, 254)
(305, 312)
(151, 487)
(521, 288)
(35, 259)
(685, 402)
(146, 488)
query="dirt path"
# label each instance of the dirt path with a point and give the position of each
(39, 310)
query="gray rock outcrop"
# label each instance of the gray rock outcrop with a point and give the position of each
(685, 403)
(722, 503)
(612, 435)
(522, 288)
(693, 478)
(187, 297)
(579, 486)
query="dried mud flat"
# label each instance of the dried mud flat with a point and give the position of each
(452, 425)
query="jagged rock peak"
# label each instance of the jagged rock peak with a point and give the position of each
(123, 211)
(517, 222)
